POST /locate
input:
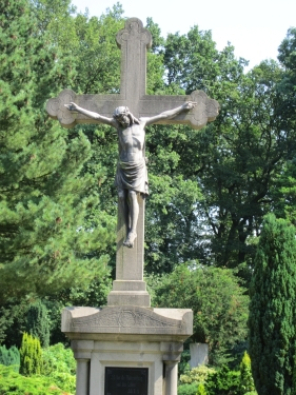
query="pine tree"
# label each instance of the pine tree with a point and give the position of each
(272, 310)
(31, 355)
(49, 227)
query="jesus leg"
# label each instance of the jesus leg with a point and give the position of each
(133, 206)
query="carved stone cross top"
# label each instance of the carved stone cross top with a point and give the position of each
(133, 40)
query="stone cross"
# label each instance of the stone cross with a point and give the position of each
(129, 287)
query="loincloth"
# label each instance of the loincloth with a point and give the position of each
(132, 176)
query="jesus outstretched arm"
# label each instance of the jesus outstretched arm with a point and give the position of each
(188, 105)
(94, 115)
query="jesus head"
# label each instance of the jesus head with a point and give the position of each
(124, 117)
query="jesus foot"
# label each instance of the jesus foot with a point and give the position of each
(129, 241)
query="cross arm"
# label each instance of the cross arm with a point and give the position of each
(103, 105)
(206, 109)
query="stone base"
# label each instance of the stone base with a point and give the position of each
(127, 337)
(129, 292)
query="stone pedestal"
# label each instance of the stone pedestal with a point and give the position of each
(127, 348)
(127, 338)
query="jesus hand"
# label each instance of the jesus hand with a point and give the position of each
(71, 106)
(189, 105)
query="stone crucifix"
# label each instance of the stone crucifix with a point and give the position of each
(131, 176)
(129, 112)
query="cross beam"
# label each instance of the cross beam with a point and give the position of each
(133, 41)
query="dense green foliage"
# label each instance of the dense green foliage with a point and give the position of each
(223, 382)
(238, 159)
(13, 383)
(205, 381)
(31, 355)
(38, 324)
(272, 310)
(56, 376)
(58, 363)
(198, 375)
(219, 381)
(187, 389)
(57, 358)
(219, 304)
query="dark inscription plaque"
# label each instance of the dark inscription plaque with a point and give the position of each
(126, 381)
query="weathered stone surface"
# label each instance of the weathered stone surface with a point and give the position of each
(199, 353)
(160, 358)
(127, 337)
(127, 320)
(130, 265)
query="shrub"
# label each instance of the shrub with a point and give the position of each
(197, 375)
(246, 384)
(59, 363)
(57, 358)
(10, 356)
(31, 355)
(223, 382)
(188, 389)
(66, 381)
(201, 390)
(13, 383)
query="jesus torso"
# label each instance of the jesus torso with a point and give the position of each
(131, 142)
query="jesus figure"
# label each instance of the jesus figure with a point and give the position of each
(131, 176)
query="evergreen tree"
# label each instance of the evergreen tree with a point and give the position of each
(49, 227)
(38, 324)
(31, 355)
(272, 310)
